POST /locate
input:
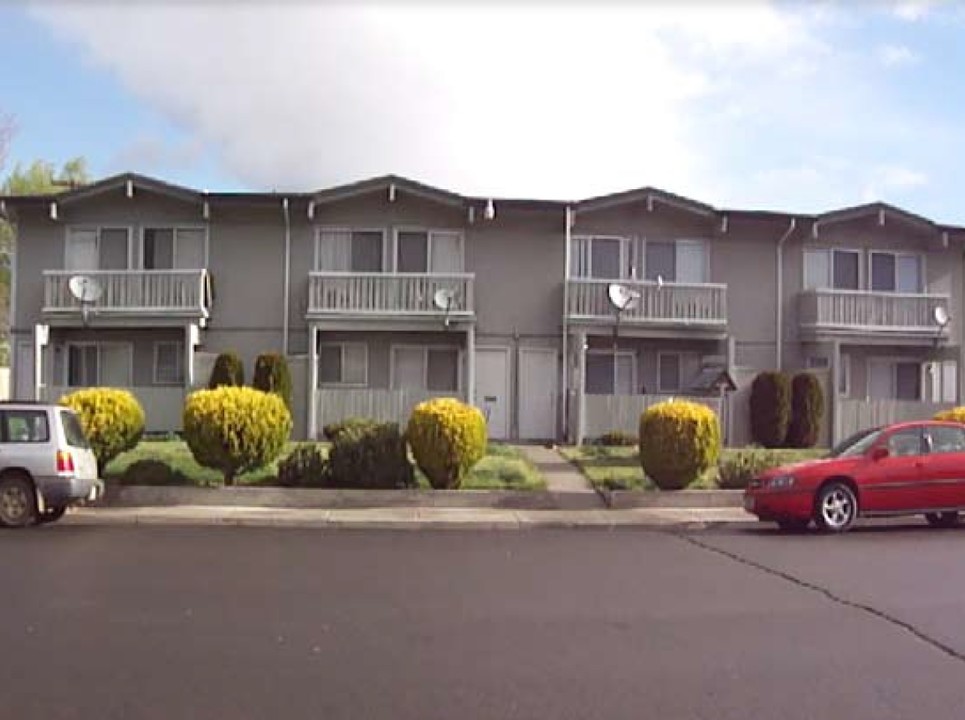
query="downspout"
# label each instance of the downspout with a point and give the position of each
(566, 327)
(287, 282)
(779, 305)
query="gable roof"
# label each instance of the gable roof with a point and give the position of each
(649, 195)
(880, 210)
(389, 184)
(132, 180)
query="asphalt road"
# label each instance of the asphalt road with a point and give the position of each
(176, 622)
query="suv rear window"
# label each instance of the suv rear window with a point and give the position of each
(72, 430)
(25, 426)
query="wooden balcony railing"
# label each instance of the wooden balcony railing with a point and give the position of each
(388, 293)
(703, 305)
(867, 311)
(133, 292)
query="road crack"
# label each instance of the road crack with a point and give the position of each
(833, 597)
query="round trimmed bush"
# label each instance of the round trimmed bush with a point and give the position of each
(272, 375)
(112, 419)
(770, 408)
(235, 429)
(228, 370)
(679, 441)
(955, 414)
(807, 408)
(447, 438)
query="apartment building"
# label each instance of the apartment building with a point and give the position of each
(558, 319)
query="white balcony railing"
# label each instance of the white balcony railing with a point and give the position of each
(388, 293)
(134, 292)
(867, 311)
(700, 304)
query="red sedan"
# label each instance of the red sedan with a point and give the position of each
(903, 469)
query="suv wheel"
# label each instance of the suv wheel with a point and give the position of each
(18, 505)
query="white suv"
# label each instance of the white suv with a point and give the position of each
(46, 463)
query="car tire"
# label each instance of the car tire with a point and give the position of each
(835, 508)
(51, 514)
(18, 503)
(793, 525)
(942, 519)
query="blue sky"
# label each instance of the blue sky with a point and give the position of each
(785, 106)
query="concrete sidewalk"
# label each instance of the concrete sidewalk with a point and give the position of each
(559, 473)
(413, 518)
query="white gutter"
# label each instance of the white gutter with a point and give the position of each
(287, 283)
(566, 328)
(779, 310)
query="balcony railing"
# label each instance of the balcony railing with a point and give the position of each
(867, 311)
(133, 292)
(702, 305)
(346, 293)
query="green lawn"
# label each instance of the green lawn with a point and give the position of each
(618, 468)
(169, 462)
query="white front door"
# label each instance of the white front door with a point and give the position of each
(492, 389)
(537, 393)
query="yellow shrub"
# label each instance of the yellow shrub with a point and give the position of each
(113, 420)
(447, 438)
(956, 414)
(235, 429)
(679, 441)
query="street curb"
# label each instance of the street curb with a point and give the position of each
(404, 518)
(680, 499)
(131, 496)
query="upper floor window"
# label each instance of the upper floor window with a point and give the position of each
(168, 248)
(895, 272)
(99, 248)
(603, 258)
(346, 250)
(680, 261)
(841, 269)
(428, 251)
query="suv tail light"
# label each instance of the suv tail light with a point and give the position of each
(65, 462)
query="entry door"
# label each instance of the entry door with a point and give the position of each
(492, 389)
(537, 393)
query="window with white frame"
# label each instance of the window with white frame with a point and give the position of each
(97, 248)
(894, 379)
(600, 257)
(682, 261)
(428, 251)
(435, 369)
(173, 248)
(350, 250)
(343, 364)
(676, 371)
(944, 381)
(169, 363)
(98, 364)
(610, 373)
(832, 268)
(895, 272)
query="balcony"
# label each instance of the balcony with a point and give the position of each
(671, 305)
(387, 295)
(132, 293)
(833, 312)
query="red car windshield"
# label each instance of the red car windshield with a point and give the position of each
(857, 444)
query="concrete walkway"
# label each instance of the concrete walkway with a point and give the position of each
(559, 473)
(405, 518)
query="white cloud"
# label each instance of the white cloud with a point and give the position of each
(912, 10)
(896, 55)
(547, 100)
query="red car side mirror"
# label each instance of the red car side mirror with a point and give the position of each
(879, 453)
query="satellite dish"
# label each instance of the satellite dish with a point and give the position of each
(443, 298)
(622, 297)
(940, 315)
(85, 289)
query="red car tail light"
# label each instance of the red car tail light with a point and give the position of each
(65, 462)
